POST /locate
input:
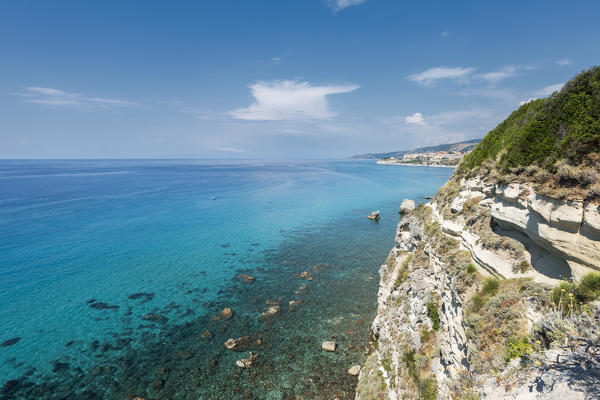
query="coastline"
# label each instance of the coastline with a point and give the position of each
(416, 165)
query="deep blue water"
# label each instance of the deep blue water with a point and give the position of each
(78, 238)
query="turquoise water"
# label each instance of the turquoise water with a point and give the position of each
(112, 271)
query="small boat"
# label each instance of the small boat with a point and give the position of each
(213, 198)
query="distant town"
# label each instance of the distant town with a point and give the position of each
(437, 158)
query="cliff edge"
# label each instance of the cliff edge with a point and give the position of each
(492, 290)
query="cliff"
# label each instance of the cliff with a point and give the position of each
(492, 288)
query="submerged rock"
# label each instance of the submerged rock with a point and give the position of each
(407, 206)
(247, 278)
(354, 370)
(206, 335)
(374, 216)
(145, 296)
(226, 313)
(306, 275)
(10, 342)
(239, 344)
(271, 312)
(247, 362)
(329, 346)
(293, 304)
(153, 317)
(102, 306)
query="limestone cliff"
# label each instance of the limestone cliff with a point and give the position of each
(474, 300)
(428, 342)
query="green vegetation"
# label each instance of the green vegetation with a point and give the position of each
(569, 296)
(496, 323)
(566, 125)
(471, 269)
(518, 347)
(490, 286)
(432, 313)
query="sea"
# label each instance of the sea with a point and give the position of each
(115, 274)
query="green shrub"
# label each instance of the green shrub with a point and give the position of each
(432, 313)
(518, 347)
(490, 286)
(386, 363)
(409, 359)
(471, 269)
(588, 288)
(428, 389)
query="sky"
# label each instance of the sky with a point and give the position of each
(288, 79)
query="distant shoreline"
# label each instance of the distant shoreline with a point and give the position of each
(416, 165)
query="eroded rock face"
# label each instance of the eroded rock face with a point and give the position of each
(571, 230)
(415, 275)
(407, 206)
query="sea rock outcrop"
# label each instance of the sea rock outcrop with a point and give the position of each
(407, 206)
(374, 216)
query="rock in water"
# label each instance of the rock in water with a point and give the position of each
(247, 362)
(354, 370)
(374, 216)
(329, 346)
(226, 313)
(407, 206)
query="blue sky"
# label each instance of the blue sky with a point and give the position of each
(275, 79)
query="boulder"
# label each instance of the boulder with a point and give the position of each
(239, 344)
(271, 312)
(247, 362)
(206, 335)
(329, 346)
(407, 206)
(226, 313)
(354, 370)
(374, 216)
(306, 275)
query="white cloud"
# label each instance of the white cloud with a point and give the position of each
(527, 101)
(544, 92)
(276, 60)
(57, 97)
(289, 100)
(496, 76)
(564, 61)
(229, 149)
(415, 119)
(432, 75)
(338, 5)
(548, 90)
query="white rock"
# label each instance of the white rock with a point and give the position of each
(407, 206)
(329, 346)
(354, 370)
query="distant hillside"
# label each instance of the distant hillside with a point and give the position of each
(564, 126)
(460, 146)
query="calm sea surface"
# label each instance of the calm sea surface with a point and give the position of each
(113, 275)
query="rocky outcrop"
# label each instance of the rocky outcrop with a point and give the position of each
(407, 206)
(375, 215)
(504, 231)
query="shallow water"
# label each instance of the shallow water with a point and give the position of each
(112, 272)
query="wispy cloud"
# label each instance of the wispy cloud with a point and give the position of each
(339, 5)
(289, 100)
(496, 76)
(548, 90)
(564, 61)
(229, 149)
(415, 119)
(544, 92)
(57, 97)
(433, 75)
(444, 34)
